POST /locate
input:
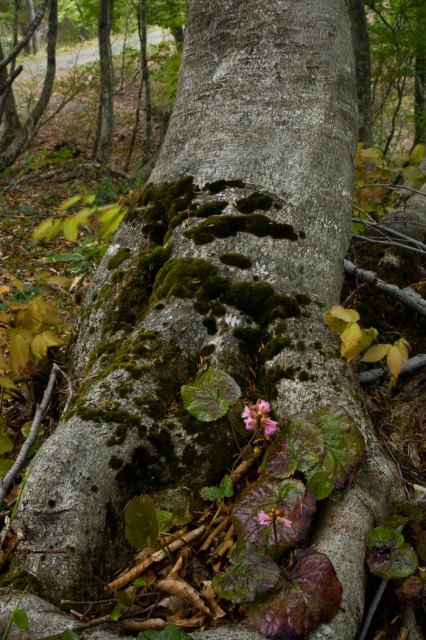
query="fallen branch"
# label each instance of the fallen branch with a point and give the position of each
(391, 186)
(405, 296)
(413, 363)
(388, 231)
(6, 482)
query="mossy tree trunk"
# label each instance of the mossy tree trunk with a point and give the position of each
(239, 243)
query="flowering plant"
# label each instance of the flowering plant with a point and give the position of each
(256, 417)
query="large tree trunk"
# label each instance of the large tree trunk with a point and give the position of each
(266, 96)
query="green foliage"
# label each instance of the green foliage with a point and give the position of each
(343, 451)
(169, 633)
(225, 490)
(388, 555)
(142, 527)
(210, 397)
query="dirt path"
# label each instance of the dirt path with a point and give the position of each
(86, 53)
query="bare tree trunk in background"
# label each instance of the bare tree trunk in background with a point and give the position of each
(9, 119)
(266, 96)
(420, 101)
(144, 84)
(361, 44)
(17, 145)
(33, 45)
(105, 123)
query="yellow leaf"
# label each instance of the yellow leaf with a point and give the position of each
(83, 216)
(334, 324)
(38, 308)
(347, 315)
(18, 284)
(70, 229)
(42, 230)
(69, 203)
(394, 361)
(89, 199)
(51, 339)
(39, 347)
(19, 350)
(7, 383)
(351, 335)
(417, 154)
(392, 382)
(376, 353)
(367, 336)
(4, 289)
(349, 353)
(60, 281)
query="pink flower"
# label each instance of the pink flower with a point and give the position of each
(267, 519)
(264, 518)
(256, 415)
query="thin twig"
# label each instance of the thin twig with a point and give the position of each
(387, 230)
(388, 243)
(391, 186)
(407, 297)
(372, 608)
(70, 389)
(136, 614)
(6, 482)
(413, 363)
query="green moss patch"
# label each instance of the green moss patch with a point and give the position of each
(226, 226)
(221, 185)
(135, 294)
(255, 201)
(121, 255)
(236, 260)
(196, 278)
(211, 326)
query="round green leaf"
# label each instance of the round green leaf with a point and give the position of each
(210, 397)
(20, 618)
(141, 522)
(5, 465)
(6, 443)
(169, 633)
(388, 556)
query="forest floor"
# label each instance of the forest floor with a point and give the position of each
(59, 166)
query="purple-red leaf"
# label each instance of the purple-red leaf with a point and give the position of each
(289, 499)
(309, 593)
(300, 448)
(251, 575)
(413, 589)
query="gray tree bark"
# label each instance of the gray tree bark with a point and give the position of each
(266, 96)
